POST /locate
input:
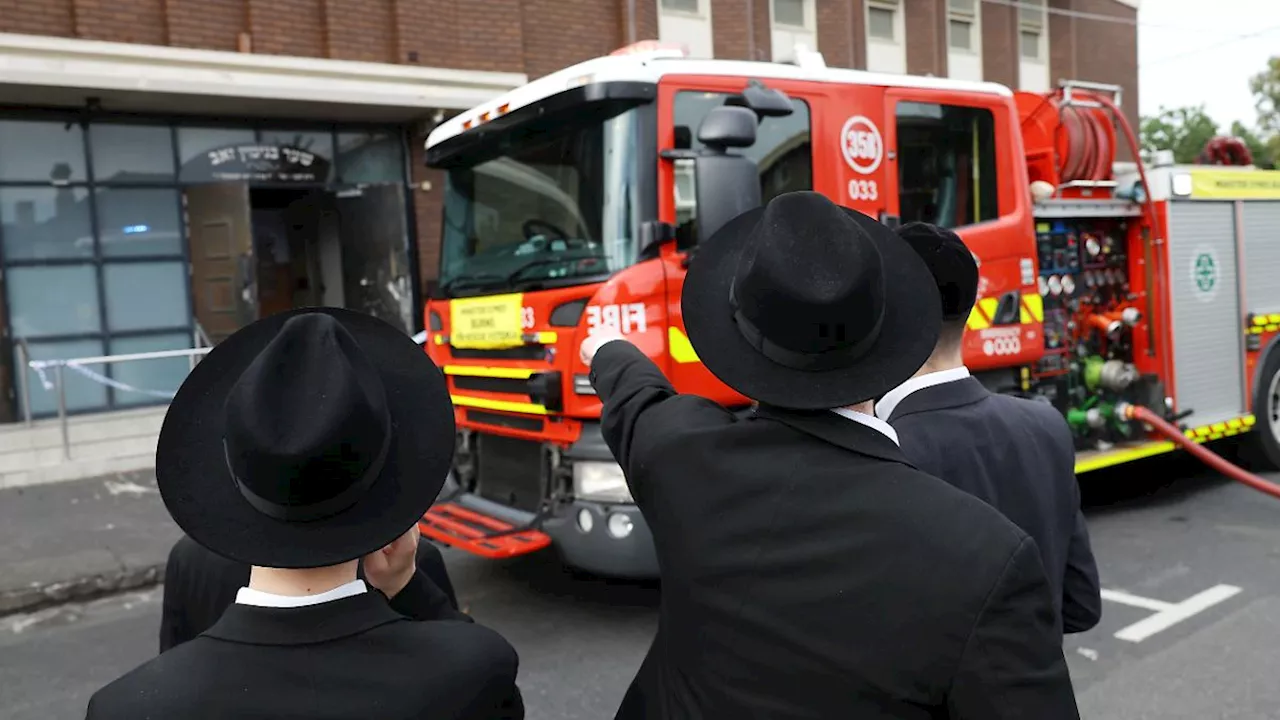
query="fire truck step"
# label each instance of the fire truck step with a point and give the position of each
(479, 534)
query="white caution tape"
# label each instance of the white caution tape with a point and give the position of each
(96, 377)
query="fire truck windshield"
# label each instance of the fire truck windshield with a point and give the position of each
(553, 209)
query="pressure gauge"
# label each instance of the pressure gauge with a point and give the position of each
(1044, 286)
(1092, 246)
(1055, 285)
(1068, 284)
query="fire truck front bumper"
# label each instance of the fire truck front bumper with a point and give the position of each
(605, 539)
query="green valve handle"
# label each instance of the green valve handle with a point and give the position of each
(1092, 372)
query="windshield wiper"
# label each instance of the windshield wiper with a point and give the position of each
(545, 261)
(472, 281)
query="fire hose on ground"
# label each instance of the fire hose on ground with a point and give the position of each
(1169, 430)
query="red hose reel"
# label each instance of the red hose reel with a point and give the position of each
(1066, 141)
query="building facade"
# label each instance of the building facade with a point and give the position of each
(172, 169)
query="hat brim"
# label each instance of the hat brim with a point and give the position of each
(907, 337)
(202, 497)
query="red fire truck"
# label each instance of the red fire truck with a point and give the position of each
(578, 202)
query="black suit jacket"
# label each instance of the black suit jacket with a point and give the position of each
(810, 572)
(200, 585)
(348, 659)
(1017, 455)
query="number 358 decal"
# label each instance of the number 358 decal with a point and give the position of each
(863, 190)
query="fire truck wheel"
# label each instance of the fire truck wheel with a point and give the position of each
(1263, 447)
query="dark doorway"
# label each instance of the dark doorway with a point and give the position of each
(260, 251)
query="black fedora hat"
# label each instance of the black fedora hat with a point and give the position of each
(954, 269)
(306, 439)
(807, 305)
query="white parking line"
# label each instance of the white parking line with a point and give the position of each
(1166, 614)
(1125, 598)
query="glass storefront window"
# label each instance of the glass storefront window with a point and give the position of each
(158, 376)
(45, 223)
(320, 143)
(369, 158)
(131, 153)
(53, 300)
(193, 142)
(41, 151)
(82, 393)
(139, 221)
(142, 296)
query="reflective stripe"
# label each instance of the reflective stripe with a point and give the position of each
(1201, 434)
(489, 372)
(502, 405)
(1032, 304)
(680, 348)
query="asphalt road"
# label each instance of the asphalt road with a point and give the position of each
(1167, 536)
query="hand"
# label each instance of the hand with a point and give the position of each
(595, 341)
(392, 567)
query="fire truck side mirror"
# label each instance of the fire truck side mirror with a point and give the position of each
(726, 187)
(728, 127)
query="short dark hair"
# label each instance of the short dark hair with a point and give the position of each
(951, 333)
(954, 268)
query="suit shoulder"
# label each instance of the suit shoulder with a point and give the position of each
(468, 643)
(954, 513)
(1047, 418)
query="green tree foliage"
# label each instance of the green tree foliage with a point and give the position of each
(1183, 130)
(1266, 97)
(1257, 147)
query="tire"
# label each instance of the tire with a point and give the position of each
(1262, 448)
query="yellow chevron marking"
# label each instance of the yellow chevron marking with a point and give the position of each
(679, 346)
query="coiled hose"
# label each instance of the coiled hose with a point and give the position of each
(1213, 460)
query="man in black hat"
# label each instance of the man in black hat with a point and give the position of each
(809, 571)
(301, 444)
(1016, 454)
(199, 586)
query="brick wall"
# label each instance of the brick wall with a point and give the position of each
(926, 22)
(842, 33)
(1000, 44)
(1095, 50)
(740, 29)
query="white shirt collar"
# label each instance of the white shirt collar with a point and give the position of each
(249, 596)
(890, 401)
(870, 421)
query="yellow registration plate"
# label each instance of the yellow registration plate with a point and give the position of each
(486, 322)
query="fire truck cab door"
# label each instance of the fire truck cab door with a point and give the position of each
(956, 160)
(785, 159)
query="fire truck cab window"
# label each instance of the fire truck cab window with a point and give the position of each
(946, 164)
(558, 206)
(782, 153)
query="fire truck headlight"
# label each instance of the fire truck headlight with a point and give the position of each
(600, 482)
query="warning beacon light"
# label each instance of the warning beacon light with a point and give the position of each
(653, 47)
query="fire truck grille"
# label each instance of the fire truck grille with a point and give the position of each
(488, 384)
(510, 471)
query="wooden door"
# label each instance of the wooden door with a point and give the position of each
(223, 270)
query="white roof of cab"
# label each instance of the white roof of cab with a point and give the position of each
(651, 67)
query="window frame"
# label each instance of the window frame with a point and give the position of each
(968, 16)
(699, 12)
(1028, 26)
(890, 6)
(808, 12)
(897, 100)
